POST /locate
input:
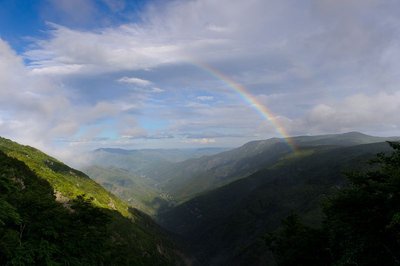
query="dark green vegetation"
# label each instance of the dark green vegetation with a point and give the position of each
(221, 206)
(46, 220)
(361, 223)
(227, 225)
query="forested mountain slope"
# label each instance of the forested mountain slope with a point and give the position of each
(186, 179)
(51, 214)
(225, 225)
(360, 223)
(154, 180)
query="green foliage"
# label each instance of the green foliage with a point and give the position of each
(68, 182)
(362, 220)
(297, 244)
(35, 229)
(225, 225)
(38, 229)
(361, 224)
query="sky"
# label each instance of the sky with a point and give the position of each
(77, 75)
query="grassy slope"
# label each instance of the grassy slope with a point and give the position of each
(65, 180)
(139, 238)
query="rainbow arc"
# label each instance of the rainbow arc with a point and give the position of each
(251, 100)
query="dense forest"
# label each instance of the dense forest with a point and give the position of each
(226, 226)
(361, 224)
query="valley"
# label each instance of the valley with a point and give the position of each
(190, 207)
(220, 205)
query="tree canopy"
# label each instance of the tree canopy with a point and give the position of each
(361, 223)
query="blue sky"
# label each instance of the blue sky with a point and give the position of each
(82, 74)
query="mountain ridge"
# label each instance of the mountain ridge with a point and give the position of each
(173, 182)
(242, 161)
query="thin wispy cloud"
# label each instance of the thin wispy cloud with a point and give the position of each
(135, 81)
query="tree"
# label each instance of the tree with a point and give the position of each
(361, 225)
(362, 220)
(297, 244)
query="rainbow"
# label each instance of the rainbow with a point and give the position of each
(251, 100)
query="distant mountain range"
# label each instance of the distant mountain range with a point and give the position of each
(185, 179)
(154, 179)
(220, 205)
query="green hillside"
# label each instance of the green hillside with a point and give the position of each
(137, 191)
(360, 225)
(46, 220)
(67, 182)
(224, 226)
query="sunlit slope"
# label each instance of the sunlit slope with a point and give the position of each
(133, 238)
(137, 191)
(67, 182)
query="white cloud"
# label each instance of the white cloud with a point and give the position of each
(370, 113)
(156, 90)
(205, 32)
(135, 81)
(320, 66)
(37, 111)
(318, 45)
(57, 70)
